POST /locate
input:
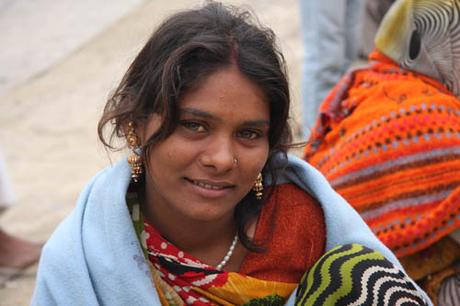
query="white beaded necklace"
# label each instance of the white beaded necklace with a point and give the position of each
(229, 254)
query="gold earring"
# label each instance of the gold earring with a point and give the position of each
(135, 159)
(258, 187)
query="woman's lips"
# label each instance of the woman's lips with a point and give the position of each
(210, 189)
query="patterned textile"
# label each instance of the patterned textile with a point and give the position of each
(449, 292)
(388, 140)
(355, 275)
(423, 36)
(264, 278)
(443, 287)
(181, 278)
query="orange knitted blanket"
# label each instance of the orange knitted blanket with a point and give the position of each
(388, 140)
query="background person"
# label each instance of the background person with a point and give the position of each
(373, 15)
(388, 140)
(331, 32)
(15, 254)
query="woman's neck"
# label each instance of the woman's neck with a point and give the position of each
(192, 236)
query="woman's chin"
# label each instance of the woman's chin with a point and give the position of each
(206, 214)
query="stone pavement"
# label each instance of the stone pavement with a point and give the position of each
(48, 114)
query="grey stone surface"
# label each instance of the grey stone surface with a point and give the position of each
(35, 34)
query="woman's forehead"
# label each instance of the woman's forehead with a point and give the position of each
(226, 91)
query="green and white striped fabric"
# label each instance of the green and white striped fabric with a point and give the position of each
(355, 275)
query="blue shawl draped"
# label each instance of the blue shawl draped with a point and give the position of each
(94, 256)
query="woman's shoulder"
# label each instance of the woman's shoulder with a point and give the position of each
(291, 222)
(296, 207)
(93, 194)
(291, 195)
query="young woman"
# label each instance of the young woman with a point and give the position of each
(208, 209)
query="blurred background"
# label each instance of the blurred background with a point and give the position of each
(59, 61)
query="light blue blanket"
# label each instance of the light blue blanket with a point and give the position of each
(94, 257)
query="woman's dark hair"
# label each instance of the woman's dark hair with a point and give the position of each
(188, 47)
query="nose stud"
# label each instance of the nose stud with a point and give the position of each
(235, 161)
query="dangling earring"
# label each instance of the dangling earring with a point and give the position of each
(258, 188)
(135, 159)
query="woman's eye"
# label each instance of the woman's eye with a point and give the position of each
(249, 134)
(193, 126)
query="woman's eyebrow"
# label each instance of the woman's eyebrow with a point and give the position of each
(258, 123)
(196, 112)
(206, 115)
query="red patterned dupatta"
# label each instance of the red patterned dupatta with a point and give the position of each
(181, 279)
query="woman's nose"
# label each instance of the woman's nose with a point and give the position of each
(219, 154)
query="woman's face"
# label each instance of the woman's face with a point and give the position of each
(210, 162)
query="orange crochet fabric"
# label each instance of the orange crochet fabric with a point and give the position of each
(388, 140)
(292, 229)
